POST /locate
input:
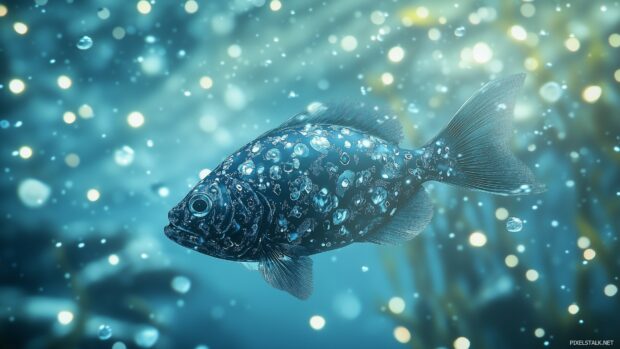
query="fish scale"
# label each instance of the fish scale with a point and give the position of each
(318, 170)
(334, 175)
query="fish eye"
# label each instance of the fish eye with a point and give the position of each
(200, 205)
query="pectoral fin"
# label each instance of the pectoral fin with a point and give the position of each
(407, 223)
(287, 270)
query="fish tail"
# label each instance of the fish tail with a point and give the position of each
(473, 151)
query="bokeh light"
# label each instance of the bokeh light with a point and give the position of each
(135, 119)
(65, 317)
(93, 195)
(64, 82)
(402, 334)
(17, 86)
(396, 305)
(317, 322)
(20, 28)
(477, 239)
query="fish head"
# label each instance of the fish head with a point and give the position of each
(197, 220)
(214, 218)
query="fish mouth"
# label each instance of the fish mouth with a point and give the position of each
(174, 231)
(182, 236)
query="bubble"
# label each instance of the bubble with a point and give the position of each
(124, 156)
(324, 202)
(459, 32)
(33, 193)
(146, 337)
(363, 177)
(119, 345)
(340, 215)
(514, 224)
(273, 154)
(344, 182)
(301, 150)
(550, 91)
(389, 171)
(84, 43)
(379, 194)
(104, 332)
(247, 167)
(275, 172)
(181, 284)
(320, 144)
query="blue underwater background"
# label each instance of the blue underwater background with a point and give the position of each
(111, 110)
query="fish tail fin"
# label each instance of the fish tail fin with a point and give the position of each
(473, 151)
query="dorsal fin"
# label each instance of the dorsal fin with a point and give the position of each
(357, 116)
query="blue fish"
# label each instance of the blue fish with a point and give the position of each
(331, 176)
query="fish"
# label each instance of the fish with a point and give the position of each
(333, 175)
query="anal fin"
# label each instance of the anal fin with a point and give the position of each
(409, 220)
(285, 269)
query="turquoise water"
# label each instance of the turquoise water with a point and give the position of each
(111, 111)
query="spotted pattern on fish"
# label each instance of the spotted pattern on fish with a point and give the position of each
(331, 176)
